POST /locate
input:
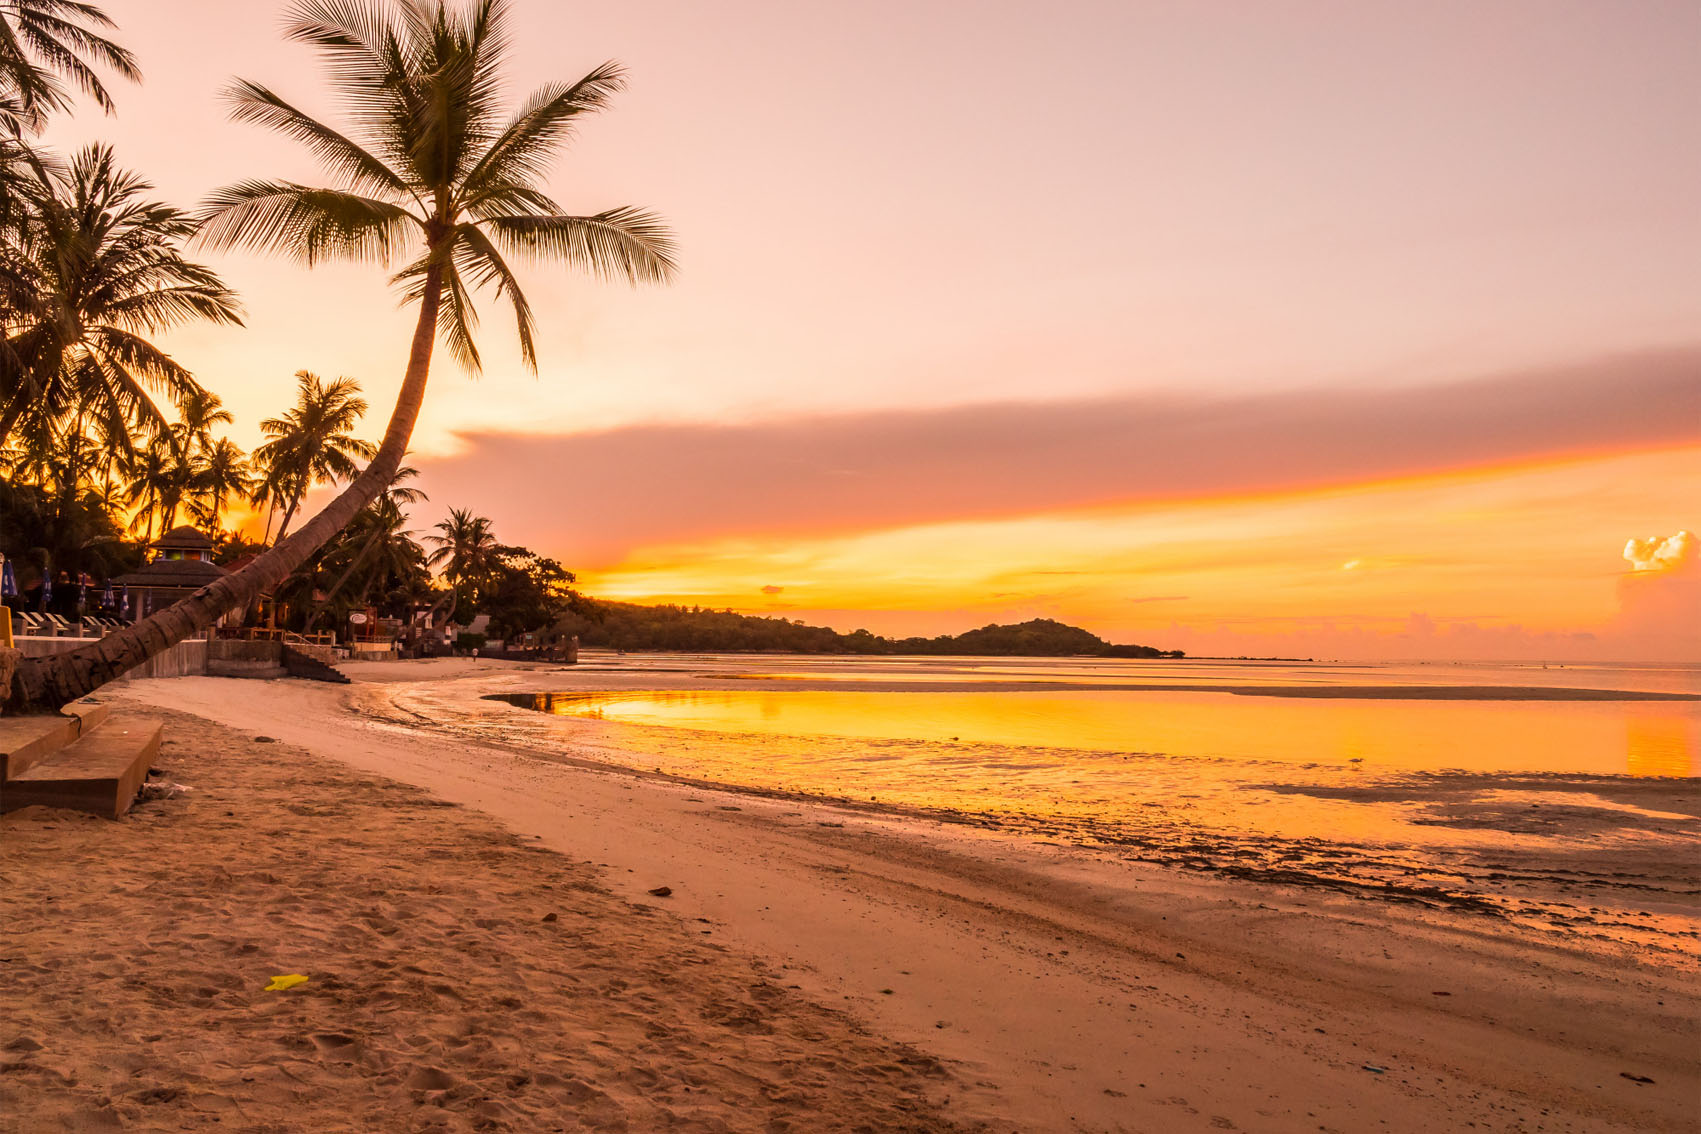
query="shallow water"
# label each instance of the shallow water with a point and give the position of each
(1609, 737)
(1569, 811)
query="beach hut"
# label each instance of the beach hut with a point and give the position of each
(182, 564)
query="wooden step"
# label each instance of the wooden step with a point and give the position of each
(100, 771)
(26, 740)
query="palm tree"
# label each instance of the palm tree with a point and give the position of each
(378, 532)
(197, 413)
(314, 442)
(221, 474)
(42, 40)
(430, 167)
(466, 550)
(150, 476)
(176, 486)
(99, 270)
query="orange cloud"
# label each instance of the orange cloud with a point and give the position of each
(593, 498)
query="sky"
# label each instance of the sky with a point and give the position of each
(1330, 329)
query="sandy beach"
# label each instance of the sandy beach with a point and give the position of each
(484, 952)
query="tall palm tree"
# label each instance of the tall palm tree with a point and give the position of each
(176, 486)
(150, 475)
(221, 474)
(44, 40)
(99, 270)
(314, 442)
(378, 533)
(431, 168)
(466, 551)
(197, 413)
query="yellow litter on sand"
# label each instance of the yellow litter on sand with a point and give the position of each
(286, 980)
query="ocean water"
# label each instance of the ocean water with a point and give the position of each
(1559, 793)
(1481, 718)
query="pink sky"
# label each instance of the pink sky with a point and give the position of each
(1382, 240)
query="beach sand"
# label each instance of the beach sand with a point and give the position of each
(1018, 985)
(459, 978)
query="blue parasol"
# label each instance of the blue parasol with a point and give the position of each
(8, 581)
(106, 595)
(124, 604)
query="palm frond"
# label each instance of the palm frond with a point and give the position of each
(625, 243)
(524, 148)
(360, 170)
(308, 224)
(482, 257)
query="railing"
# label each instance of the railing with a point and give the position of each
(275, 634)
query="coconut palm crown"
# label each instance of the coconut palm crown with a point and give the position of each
(99, 270)
(312, 443)
(430, 168)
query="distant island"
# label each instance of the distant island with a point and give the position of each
(628, 626)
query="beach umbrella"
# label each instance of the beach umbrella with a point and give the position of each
(106, 596)
(8, 581)
(46, 588)
(124, 603)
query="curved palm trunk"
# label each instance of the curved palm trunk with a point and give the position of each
(43, 683)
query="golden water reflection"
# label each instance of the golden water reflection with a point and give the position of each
(1660, 745)
(1497, 736)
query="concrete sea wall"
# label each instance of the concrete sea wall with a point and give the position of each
(182, 660)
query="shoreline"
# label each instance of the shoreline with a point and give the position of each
(1065, 988)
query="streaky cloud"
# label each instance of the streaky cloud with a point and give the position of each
(593, 497)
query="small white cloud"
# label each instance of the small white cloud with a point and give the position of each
(1669, 554)
(1352, 565)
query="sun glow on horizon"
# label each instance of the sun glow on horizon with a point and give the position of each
(1519, 555)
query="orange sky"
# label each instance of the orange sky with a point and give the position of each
(1149, 316)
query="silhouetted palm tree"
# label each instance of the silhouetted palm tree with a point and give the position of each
(149, 479)
(42, 41)
(314, 443)
(99, 270)
(377, 540)
(197, 413)
(466, 551)
(436, 174)
(221, 474)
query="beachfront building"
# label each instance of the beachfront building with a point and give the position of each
(182, 564)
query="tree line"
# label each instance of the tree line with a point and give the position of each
(629, 626)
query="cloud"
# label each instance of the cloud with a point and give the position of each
(593, 497)
(770, 589)
(1676, 553)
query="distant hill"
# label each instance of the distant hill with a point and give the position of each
(628, 626)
